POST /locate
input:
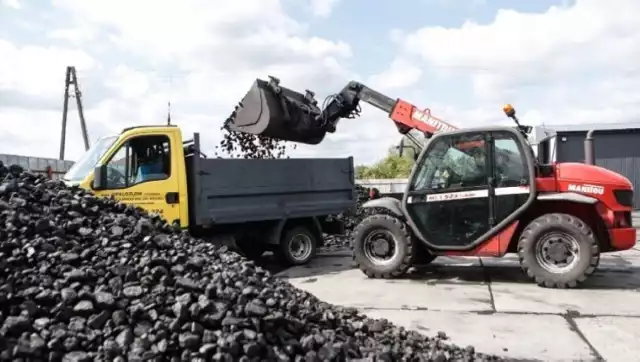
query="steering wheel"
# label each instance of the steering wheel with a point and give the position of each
(115, 177)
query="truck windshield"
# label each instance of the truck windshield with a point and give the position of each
(88, 161)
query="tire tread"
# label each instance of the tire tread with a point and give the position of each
(527, 242)
(405, 237)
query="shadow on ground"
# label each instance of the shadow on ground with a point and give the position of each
(321, 266)
(603, 279)
(331, 262)
(612, 274)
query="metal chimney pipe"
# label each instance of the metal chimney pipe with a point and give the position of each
(589, 149)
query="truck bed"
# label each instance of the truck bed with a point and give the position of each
(226, 191)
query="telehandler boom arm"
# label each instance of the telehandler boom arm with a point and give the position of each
(273, 111)
(405, 115)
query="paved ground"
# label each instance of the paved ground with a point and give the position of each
(489, 304)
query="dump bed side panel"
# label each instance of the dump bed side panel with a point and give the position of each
(239, 190)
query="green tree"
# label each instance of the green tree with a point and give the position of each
(392, 166)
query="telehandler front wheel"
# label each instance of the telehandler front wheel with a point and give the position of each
(558, 251)
(383, 246)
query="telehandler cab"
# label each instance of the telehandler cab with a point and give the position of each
(474, 192)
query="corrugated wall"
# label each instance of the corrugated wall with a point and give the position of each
(618, 151)
(38, 164)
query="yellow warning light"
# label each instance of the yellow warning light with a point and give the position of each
(509, 110)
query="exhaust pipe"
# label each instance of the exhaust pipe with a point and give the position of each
(589, 149)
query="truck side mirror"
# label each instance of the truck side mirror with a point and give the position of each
(100, 177)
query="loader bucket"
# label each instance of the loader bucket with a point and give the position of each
(276, 112)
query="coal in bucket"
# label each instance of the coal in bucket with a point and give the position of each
(277, 112)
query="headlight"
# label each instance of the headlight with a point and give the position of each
(624, 197)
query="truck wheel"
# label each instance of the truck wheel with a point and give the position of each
(297, 246)
(558, 251)
(383, 246)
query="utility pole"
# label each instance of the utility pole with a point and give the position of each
(72, 80)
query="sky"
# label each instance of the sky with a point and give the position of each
(556, 61)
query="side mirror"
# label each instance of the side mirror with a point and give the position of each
(525, 129)
(100, 177)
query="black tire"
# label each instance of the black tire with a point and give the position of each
(569, 230)
(422, 255)
(286, 253)
(400, 235)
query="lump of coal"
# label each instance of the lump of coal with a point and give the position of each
(351, 219)
(245, 145)
(72, 289)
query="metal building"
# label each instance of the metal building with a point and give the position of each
(617, 148)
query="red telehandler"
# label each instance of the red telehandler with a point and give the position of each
(473, 192)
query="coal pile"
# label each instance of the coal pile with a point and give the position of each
(85, 279)
(350, 218)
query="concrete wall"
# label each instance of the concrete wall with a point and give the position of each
(385, 186)
(38, 164)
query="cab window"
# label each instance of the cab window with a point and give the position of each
(138, 160)
(453, 162)
(510, 164)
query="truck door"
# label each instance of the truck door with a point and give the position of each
(448, 196)
(142, 171)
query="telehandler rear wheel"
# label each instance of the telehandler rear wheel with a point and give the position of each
(383, 246)
(558, 251)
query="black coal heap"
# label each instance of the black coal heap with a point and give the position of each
(85, 278)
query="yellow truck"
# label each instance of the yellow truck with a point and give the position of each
(259, 205)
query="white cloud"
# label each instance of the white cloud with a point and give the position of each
(457, 3)
(15, 4)
(39, 71)
(323, 8)
(73, 35)
(569, 64)
(399, 75)
(198, 55)
(31, 87)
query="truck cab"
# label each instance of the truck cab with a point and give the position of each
(142, 166)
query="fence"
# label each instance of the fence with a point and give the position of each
(385, 186)
(51, 167)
